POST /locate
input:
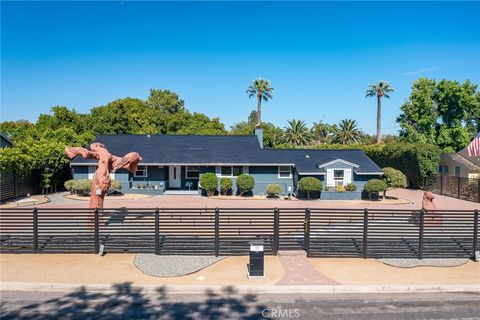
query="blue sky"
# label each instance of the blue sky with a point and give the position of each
(319, 56)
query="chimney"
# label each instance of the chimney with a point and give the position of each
(259, 134)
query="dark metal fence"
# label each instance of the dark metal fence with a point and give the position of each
(15, 184)
(228, 231)
(457, 187)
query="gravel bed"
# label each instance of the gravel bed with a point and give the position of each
(411, 263)
(172, 266)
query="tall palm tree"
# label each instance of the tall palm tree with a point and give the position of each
(321, 132)
(261, 89)
(381, 89)
(347, 132)
(297, 133)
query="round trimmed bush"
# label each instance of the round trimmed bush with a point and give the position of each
(225, 185)
(351, 187)
(375, 186)
(245, 183)
(340, 189)
(209, 183)
(69, 185)
(116, 186)
(310, 184)
(273, 190)
(394, 178)
(82, 186)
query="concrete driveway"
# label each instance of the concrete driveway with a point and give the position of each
(413, 200)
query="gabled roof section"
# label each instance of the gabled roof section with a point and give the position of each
(465, 162)
(348, 163)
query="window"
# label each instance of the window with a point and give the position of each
(338, 176)
(457, 171)
(141, 172)
(443, 169)
(229, 171)
(284, 172)
(193, 172)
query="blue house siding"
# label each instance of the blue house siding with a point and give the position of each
(265, 175)
(80, 172)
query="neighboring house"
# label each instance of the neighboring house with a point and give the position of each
(460, 164)
(5, 142)
(177, 161)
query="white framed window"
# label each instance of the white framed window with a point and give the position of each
(231, 171)
(338, 177)
(193, 172)
(284, 172)
(141, 172)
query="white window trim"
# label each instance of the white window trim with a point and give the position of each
(338, 179)
(333, 176)
(290, 172)
(187, 171)
(143, 176)
(219, 174)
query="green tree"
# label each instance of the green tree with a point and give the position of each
(261, 89)
(297, 133)
(321, 132)
(347, 132)
(310, 184)
(379, 90)
(165, 101)
(446, 113)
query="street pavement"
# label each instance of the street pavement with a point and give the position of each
(126, 303)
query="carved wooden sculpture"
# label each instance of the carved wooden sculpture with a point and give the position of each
(431, 218)
(106, 163)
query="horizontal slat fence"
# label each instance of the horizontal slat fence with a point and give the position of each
(228, 231)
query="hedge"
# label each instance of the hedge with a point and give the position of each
(83, 186)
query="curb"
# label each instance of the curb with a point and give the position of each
(331, 289)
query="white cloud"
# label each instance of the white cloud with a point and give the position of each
(420, 71)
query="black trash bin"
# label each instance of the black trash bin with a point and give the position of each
(256, 265)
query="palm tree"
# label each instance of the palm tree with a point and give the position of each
(321, 132)
(347, 132)
(262, 90)
(297, 133)
(382, 89)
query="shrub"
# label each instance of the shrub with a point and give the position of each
(374, 186)
(310, 184)
(340, 189)
(326, 188)
(209, 183)
(273, 190)
(225, 185)
(351, 187)
(245, 183)
(394, 178)
(69, 185)
(82, 186)
(116, 185)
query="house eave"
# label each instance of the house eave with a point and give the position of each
(194, 164)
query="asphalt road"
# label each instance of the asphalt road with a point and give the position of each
(125, 303)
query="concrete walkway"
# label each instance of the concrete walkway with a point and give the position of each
(299, 271)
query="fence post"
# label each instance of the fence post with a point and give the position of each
(441, 184)
(35, 230)
(96, 232)
(458, 187)
(365, 233)
(475, 232)
(276, 231)
(478, 191)
(157, 231)
(306, 235)
(420, 234)
(217, 232)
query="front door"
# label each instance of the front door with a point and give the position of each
(174, 177)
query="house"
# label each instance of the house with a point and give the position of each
(4, 141)
(175, 162)
(460, 164)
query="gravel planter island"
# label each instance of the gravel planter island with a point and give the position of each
(411, 263)
(172, 266)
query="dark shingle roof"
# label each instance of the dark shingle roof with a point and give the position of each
(188, 149)
(225, 149)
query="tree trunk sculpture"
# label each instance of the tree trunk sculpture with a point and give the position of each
(107, 163)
